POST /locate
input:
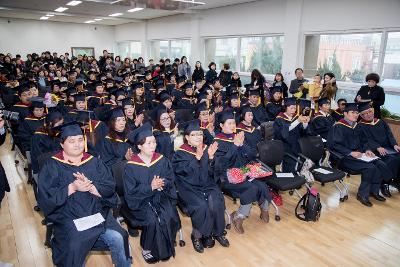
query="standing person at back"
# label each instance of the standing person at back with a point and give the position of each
(257, 82)
(373, 93)
(296, 85)
(184, 69)
(225, 76)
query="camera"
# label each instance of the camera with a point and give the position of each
(306, 112)
(8, 115)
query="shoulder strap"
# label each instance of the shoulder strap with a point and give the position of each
(296, 212)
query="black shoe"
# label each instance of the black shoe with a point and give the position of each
(133, 232)
(208, 241)
(197, 244)
(385, 190)
(149, 258)
(222, 240)
(378, 197)
(364, 201)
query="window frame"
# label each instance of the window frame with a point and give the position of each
(169, 47)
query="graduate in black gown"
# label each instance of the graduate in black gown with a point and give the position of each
(4, 186)
(150, 194)
(347, 149)
(337, 114)
(73, 185)
(203, 114)
(78, 104)
(233, 152)
(289, 127)
(98, 97)
(31, 123)
(165, 132)
(114, 147)
(274, 106)
(134, 118)
(188, 101)
(259, 113)
(252, 133)
(198, 191)
(322, 121)
(379, 138)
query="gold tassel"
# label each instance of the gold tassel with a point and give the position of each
(85, 139)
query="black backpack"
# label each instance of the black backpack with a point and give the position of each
(311, 204)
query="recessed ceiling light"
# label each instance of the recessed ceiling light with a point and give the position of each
(135, 9)
(115, 15)
(190, 2)
(74, 3)
(44, 18)
(61, 9)
(89, 21)
(49, 15)
(98, 19)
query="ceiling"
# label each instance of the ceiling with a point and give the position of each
(101, 9)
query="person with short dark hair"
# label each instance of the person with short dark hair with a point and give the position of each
(322, 121)
(296, 85)
(373, 93)
(225, 75)
(337, 114)
(279, 81)
(211, 74)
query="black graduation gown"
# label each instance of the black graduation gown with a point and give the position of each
(337, 115)
(154, 210)
(112, 150)
(252, 135)
(376, 134)
(4, 186)
(207, 136)
(321, 124)
(70, 247)
(229, 156)
(42, 143)
(259, 113)
(96, 100)
(344, 139)
(26, 130)
(22, 109)
(273, 109)
(186, 103)
(165, 143)
(289, 138)
(198, 191)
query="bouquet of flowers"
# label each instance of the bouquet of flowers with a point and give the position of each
(251, 170)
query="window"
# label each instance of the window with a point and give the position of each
(349, 56)
(129, 49)
(170, 49)
(391, 63)
(262, 53)
(222, 51)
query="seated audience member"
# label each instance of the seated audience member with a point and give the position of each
(199, 192)
(259, 113)
(274, 106)
(288, 128)
(322, 121)
(74, 185)
(165, 132)
(150, 194)
(347, 149)
(378, 137)
(337, 114)
(232, 153)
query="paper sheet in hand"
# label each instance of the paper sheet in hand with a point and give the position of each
(391, 151)
(284, 175)
(323, 171)
(367, 159)
(323, 140)
(88, 222)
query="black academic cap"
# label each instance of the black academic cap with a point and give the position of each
(53, 116)
(140, 78)
(137, 85)
(97, 83)
(127, 101)
(234, 95)
(289, 101)
(115, 113)
(23, 88)
(63, 84)
(118, 79)
(139, 110)
(118, 92)
(226, 115)
(188, 85)
(163, 95)
(304, 103)
(275, 89)
(37, 102)
(79, 97)
(180, 79)
(351, 107)
(71, 91)
(202, 95)
(78, 82)
(140, 133)
(254, 92)
(69, 129)
(323, 100)
(198, 80)
(201, 107)
(109, 81)
(364, 106)
(83, 116)
(190, 126)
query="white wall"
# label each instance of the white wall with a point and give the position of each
(27, 36)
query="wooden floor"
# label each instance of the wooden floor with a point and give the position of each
(348, 234)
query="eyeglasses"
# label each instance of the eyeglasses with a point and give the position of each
(196, 135)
